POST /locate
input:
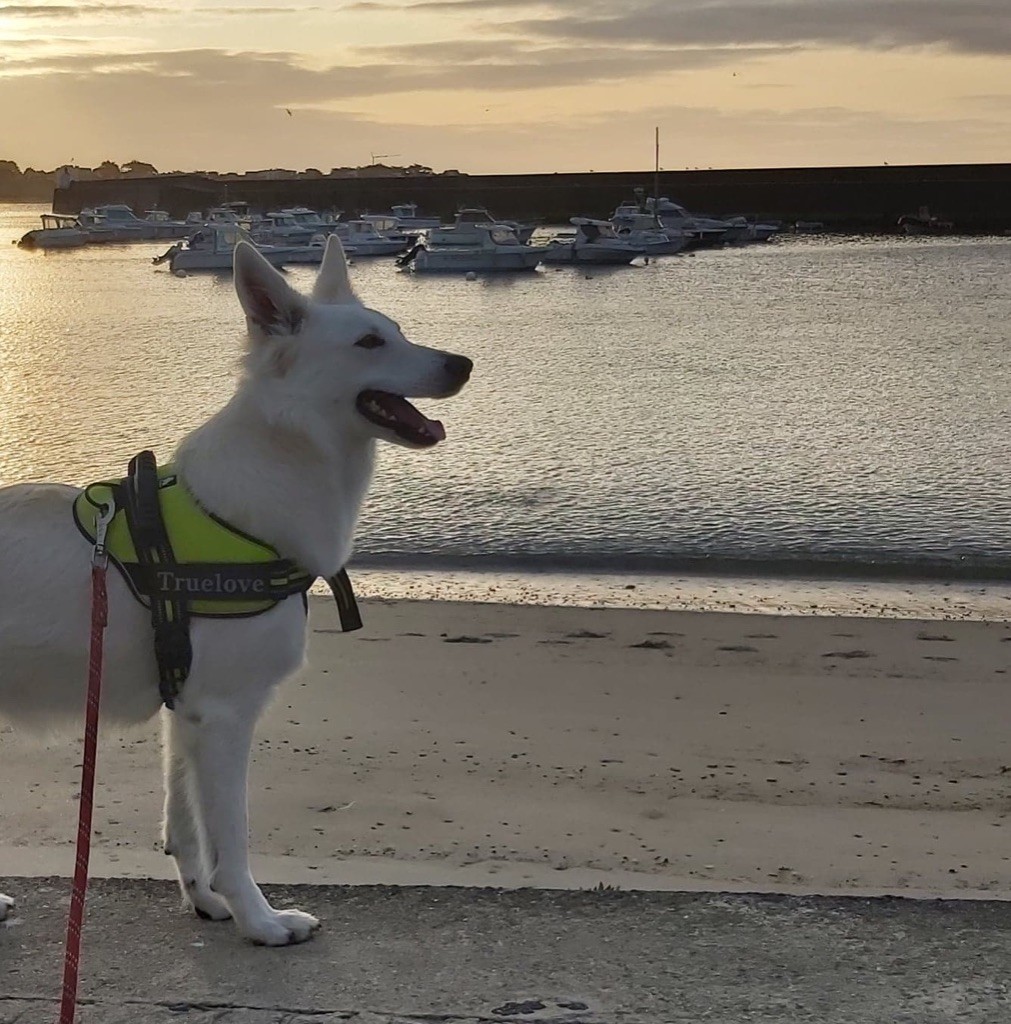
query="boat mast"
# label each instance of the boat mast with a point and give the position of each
(656, 176)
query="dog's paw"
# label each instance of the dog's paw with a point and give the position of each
(282, 928)
(208, 905)
(6, 906)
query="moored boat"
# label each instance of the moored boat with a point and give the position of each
(158, 224)
(363, 237)
(595, 242)
(497, 248)
(406, 217)
(646, 232)
(58, 231)
(113, 222)
(295, 225)
(469, 227)
(212, 248)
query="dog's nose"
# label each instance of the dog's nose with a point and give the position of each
(458, 368)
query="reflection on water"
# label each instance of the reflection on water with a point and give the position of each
(816, 401)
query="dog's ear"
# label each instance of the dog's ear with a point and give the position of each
(332, 283)
(269, 302)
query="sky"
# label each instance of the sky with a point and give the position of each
(506, 86)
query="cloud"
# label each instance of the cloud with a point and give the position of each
(441, 5)
(997, 102)
(467, 64)
(977, 26)
(102, 10)
(242, 11)
(74, 10)
(973, 26)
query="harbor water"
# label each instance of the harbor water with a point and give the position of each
(816, 408)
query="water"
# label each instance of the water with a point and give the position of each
(827, 406)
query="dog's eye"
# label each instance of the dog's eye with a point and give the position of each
(370, 341)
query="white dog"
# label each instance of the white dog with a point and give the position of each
(287, 460)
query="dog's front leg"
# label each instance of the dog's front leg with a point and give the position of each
(216, 742)
(183, 833)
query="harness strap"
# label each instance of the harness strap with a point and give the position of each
(347, 606)
(219, 581)
(169, 615)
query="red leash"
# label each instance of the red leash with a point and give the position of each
(99, 619)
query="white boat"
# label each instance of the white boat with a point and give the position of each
(497, 248)
(158, 224)
(228, 213)
(696, 229)
(595, 242)
(292, 226)
(365, 240)
(313, 251)
(212, 246)
(113, 222)
(704, 230)
(741, 229)
(236, 214)
(100, 229)
(58, 231)
(389, 227)
(761, 231)
(645, 231)
(406, 217)
(322, 222)
(278, 227)
(469, 228)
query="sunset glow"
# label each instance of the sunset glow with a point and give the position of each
(505, 85)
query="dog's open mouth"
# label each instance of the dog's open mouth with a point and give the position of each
(398, 415)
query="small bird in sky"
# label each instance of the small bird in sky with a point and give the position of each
(288, 112)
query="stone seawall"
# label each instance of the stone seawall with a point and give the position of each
(976, 197)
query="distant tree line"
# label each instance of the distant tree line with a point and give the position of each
(24, 186)
(34, 185)
(31, 185)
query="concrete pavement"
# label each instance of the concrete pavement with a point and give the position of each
(428, 955)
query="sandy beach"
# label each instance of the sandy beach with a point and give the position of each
(569, 747)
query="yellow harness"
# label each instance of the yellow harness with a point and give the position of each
(180, 561)
(217, 551)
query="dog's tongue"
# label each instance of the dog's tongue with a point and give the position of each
(410, 422)
(415, 419)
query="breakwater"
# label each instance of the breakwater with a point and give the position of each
(976, 197)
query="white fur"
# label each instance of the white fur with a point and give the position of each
(288, 459)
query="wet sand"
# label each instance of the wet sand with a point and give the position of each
(568, 747)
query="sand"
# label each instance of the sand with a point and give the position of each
(570, 747)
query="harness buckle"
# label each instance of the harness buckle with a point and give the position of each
(100, 554)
